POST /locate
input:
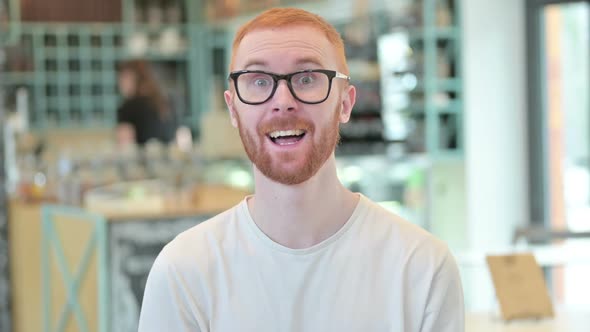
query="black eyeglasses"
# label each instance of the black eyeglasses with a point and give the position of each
(255, 87)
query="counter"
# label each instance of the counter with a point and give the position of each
(132, 241)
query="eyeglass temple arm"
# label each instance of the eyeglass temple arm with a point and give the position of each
(340, 75)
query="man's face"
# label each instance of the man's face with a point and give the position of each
(288, 140)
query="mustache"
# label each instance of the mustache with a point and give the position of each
(284, 123)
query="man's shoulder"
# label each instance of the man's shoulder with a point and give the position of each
(389, 222)
(400, 232)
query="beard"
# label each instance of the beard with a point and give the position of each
(274, 166)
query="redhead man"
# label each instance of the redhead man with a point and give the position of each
(303, 253)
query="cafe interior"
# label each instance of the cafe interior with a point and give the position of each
(472, 120)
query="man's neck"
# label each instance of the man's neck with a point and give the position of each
(300, 216)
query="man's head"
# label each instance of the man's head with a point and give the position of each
(290, 17)
(288, 94)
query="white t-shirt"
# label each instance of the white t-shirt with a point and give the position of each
(377, 273)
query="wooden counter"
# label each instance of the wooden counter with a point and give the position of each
(133, 241)
(204, 200)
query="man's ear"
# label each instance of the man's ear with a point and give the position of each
(347, 103)
(229, 101)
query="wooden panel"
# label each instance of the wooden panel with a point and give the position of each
(71, 11)
(74, 236)
(25, 266)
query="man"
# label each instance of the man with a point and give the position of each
(303, 253)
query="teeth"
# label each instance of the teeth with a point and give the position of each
(281, 133)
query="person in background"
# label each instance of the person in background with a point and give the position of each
(144, 113)
(302, 254)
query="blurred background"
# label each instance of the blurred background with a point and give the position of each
(472, 121)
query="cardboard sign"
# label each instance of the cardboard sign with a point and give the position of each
(520, 286)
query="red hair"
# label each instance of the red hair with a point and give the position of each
(288, 17)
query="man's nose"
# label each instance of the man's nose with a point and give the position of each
(283, 99)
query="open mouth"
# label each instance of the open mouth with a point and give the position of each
(286, 137)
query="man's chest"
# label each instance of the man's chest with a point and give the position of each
(304, 300)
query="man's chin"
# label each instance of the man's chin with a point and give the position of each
(287, 174)
(289, 179)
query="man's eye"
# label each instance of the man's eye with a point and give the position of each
(261, 82)
(306, 80)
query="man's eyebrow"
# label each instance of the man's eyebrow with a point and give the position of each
(253, 63)
(310, 60)
(302, 61)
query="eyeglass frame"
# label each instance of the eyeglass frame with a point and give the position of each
(287, 77)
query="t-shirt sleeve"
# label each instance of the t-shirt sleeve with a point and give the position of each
(168, 304)
(445, 311)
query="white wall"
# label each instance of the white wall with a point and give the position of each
(495, 130)
(495, 119)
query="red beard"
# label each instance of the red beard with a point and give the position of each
(273, 166)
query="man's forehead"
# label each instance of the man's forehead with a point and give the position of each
(285, 35)
(309, 43)
(299, 30)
